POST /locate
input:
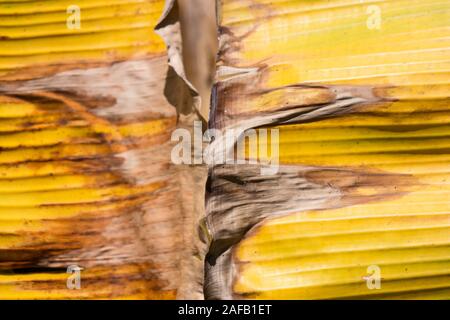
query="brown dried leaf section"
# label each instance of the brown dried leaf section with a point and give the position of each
(106, 197)
(364, 151)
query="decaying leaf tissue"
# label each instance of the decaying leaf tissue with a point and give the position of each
(87, 113)
(319, 169)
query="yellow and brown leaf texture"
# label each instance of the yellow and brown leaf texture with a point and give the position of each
(359, 91)
(85, 171)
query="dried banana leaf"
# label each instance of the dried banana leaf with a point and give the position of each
(360, 94)
(86, 179)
